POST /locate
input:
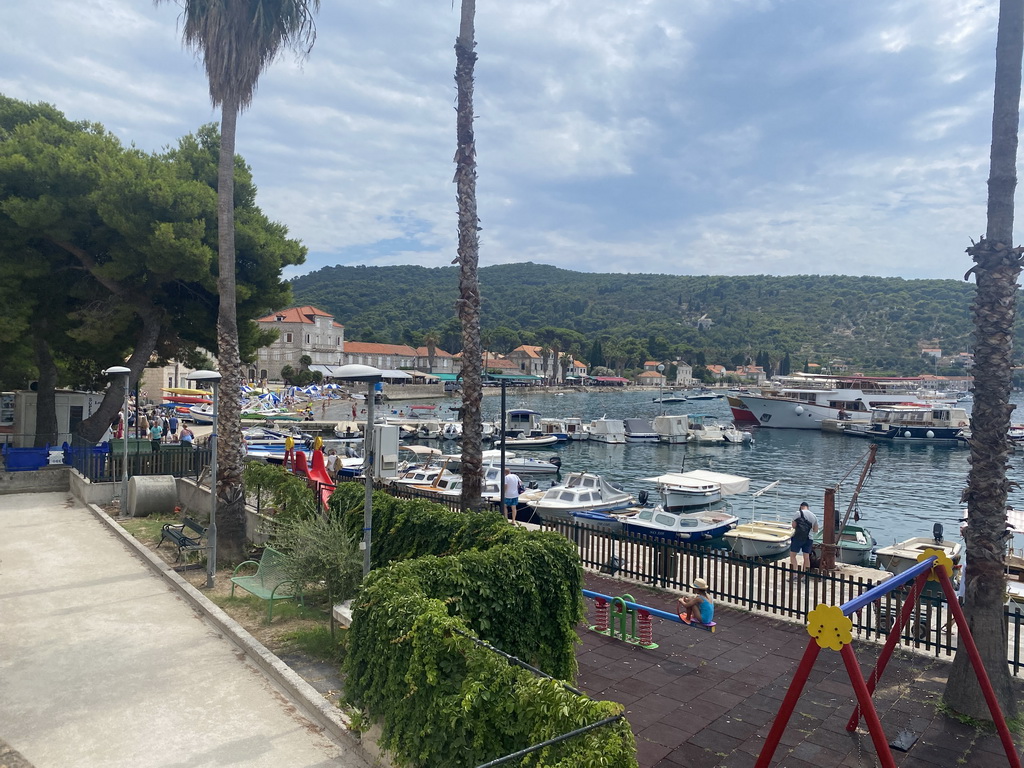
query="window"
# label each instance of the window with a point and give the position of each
(307, 338)
(287, 338)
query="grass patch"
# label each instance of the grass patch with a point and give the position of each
(317, 643)
(147, 529)
(981, 725)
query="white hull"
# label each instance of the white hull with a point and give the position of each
(760, 538)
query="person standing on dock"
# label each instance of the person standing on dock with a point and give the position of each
(804, 524)
(511, 489)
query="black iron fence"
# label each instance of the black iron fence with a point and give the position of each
(105, 462)
(773, 587)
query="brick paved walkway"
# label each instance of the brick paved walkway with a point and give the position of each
(704, 700)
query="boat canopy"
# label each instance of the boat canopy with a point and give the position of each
(394, 374)
(731, 484)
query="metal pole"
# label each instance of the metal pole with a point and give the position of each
(368, 476)
(124, 436)
(828, 531)
(211, 561)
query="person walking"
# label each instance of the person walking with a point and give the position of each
(156, 433)
(512, 487)
(187, 437)
(804, 524)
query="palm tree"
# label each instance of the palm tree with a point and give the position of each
(237, 40)
(996, 268)
(468, 259)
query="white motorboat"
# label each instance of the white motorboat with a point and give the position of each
(527, 465)
(674, 397)
(540, 441)
(903, 554)
(581, 492)
(605, 430)
(760, 538)
(640, 431)
(569, 428)
(803, 401)
(706, 429)
(697, 488)
(201, 414)
(451, 430)
(672, 429)
(522, 421)
(696, 526)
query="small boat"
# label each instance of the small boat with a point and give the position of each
(903, 554)
(696, 526)
(527, 465)
(201, 414)
(706, 429)
(522, 421)
(761, 537)
(580, 492)
(452, 430)
(187, 399)
(672, 429)
(855, 544)
(605, 430)
(540, 441)
(698, 488)
(675, 397)
(705, 394)
(640, 431)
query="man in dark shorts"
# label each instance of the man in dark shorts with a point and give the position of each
(804, 524)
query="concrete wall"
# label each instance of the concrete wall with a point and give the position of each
(45, 480)
(195, 499)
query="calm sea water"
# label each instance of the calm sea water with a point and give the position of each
(910, 487)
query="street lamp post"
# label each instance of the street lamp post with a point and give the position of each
(120, 370)
(211, 561)
(371, 376)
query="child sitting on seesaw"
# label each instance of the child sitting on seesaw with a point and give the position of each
(699, 602)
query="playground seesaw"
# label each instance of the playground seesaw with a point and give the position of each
(613, 614)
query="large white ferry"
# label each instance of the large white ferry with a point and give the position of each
(804, 401)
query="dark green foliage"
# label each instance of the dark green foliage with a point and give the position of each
(288, 496)
(874, 324)
(443, 700)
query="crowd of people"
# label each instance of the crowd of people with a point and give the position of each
(159, 425)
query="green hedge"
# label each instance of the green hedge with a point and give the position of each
(442, 699)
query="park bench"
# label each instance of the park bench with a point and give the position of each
(186, 535)
(270, 582)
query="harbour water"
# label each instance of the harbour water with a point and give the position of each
(910, 487)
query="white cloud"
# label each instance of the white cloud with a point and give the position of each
(653, 136)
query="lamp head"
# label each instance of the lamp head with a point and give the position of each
(211, 376)
(355, 372)
(117, 370)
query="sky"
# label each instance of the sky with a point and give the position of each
(690, 137)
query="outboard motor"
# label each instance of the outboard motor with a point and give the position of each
(555, 460)
(937, 532)
(642, 497)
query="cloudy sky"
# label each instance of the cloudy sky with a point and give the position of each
(722, 137)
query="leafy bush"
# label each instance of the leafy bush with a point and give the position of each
(443, 700)
(288, 494)
(448, 703)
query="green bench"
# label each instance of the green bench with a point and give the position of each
(186, 535)
(270, 582)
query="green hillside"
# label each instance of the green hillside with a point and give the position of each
(874, 324)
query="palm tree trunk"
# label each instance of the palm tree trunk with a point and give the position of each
(997, 266)
(230, 496)
(468, 258)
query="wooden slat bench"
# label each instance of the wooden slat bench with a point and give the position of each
(186, 535)
(270, 581)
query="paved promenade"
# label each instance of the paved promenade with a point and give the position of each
(103, 663)
(703, 700)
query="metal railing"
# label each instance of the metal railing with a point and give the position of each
(104, 463)
(768, 586)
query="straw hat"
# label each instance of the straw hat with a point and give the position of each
(699, 583)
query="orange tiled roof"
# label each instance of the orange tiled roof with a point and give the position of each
(527, 349)
(298, 315)
(368, 348)
(438, 352)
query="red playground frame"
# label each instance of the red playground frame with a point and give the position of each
(831, 627)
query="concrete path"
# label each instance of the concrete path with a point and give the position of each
(103, 663)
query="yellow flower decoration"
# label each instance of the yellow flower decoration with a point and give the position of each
(829, 628)
(944, 561)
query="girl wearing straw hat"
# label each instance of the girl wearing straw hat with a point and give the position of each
(698, 601)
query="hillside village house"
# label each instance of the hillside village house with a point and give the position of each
(301, 331)
(651, 379)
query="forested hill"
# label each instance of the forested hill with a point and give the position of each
(873, 323)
